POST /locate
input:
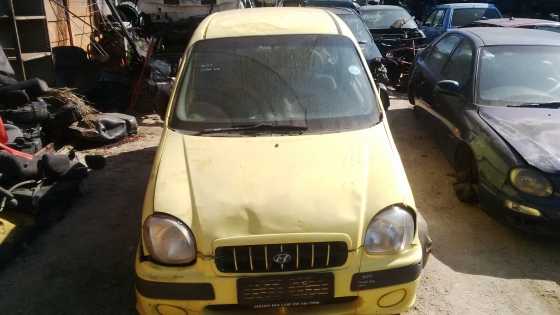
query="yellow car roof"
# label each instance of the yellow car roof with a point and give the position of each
(270, 21)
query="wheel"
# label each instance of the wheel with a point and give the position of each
(466, 173)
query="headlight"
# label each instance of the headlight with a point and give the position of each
(169, 241)
(390, 231)
(531, 182)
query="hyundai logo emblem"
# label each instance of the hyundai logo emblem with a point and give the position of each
(282, 258)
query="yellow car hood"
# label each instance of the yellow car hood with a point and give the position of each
(224, 187)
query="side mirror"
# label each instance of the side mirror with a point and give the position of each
(448, 87)
(420, 23)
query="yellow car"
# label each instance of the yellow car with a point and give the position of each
(277, 188)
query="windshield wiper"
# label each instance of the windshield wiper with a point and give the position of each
(553, 105)
(255, 127)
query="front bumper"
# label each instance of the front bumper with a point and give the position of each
(533, 215)
(364, 285)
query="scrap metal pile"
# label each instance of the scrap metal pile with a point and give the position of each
(40, 171)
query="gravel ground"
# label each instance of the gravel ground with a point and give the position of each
(84, 264)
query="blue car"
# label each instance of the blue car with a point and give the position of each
(448, 16)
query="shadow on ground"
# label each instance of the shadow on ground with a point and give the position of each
(465, 238)
(84, 265)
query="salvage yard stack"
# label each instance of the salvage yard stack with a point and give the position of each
(39, 174)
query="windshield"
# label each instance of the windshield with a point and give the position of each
(383, 19)
(317, 81)
(463, 17)
(357, 27)
(515, 75)
(330, 4)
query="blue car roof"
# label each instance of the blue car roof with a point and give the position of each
(465, 5)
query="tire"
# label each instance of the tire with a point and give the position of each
(466, 174)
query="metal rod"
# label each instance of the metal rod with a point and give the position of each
(297, 256)
(235, 259)
(68, 24)
(266, 257)
(74, 15)
(251, 258)
(328, 253)
(281, 250)
(312, 255)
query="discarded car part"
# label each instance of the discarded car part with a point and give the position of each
(123, 29)
(15, 152)
(32, 113)
(103, 128)
(3, 132)
(399, 61)
(130, 13)
(396, 34)
(34, 87)
(28, 139)
(8, 199)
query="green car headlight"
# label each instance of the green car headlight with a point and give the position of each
(531, 182)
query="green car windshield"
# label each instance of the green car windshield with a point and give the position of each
(316, 81)
(515, 75)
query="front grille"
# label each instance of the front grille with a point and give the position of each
(282, 291)
(280, 257)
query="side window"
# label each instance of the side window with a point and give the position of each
(438, 20)
(459, 67)
(439, 54)
(430, 19)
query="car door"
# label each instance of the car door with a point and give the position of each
(434, 24)
(451, 107)
(427, 71)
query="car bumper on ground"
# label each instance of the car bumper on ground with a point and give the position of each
(364, 285)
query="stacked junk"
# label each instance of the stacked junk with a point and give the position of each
(129, 66)
(40, 171)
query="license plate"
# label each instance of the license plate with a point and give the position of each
(285, 291)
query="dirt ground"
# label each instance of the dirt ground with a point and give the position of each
(84, 264)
